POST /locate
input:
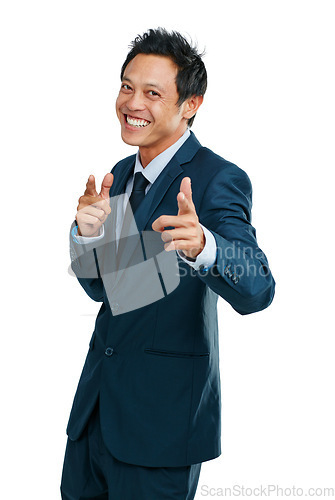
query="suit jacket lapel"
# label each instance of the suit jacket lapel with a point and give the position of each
(156, 193)
(122, 176)
(172, 170)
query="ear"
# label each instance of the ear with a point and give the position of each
(192, 105)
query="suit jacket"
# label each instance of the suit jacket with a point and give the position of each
(155, 368)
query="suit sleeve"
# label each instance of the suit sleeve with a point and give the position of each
(241, 273)
(84, 264)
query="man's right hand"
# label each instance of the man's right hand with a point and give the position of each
(93, 208)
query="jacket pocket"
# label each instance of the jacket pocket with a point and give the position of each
(176, 354)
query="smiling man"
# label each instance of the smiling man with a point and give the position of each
(147, 409)
(147, 105)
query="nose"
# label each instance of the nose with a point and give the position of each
(135, 102)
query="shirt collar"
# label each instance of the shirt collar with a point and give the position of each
(155, 167)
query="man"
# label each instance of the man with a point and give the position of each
(147, 409)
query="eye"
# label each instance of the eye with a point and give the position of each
(153, 93)
(126, 87)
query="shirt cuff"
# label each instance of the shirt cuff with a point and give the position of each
(86, 239)
(206, 257)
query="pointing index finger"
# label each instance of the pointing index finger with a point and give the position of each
(90, 187)
(185, 187)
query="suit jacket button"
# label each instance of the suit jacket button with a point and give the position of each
(109, 351)
(227, 271)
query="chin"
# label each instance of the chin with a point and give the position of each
(129, 140)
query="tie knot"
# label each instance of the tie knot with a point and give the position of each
(138, 192)
(140, 182)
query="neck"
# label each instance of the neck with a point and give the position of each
(147, 154)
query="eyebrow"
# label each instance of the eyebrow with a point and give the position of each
(146, 84)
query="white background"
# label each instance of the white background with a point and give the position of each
(269, 108)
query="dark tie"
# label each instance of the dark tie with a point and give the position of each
(138, 192)
(137, 195)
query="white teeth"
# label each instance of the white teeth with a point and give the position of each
(137, 123)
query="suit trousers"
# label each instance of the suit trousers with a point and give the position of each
(90, 472)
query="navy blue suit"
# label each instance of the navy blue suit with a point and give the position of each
(155, 369)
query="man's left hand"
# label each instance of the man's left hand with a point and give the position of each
(187, 234)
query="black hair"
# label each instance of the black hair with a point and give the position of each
(191, 77)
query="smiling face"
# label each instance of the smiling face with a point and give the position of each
(147, 105)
